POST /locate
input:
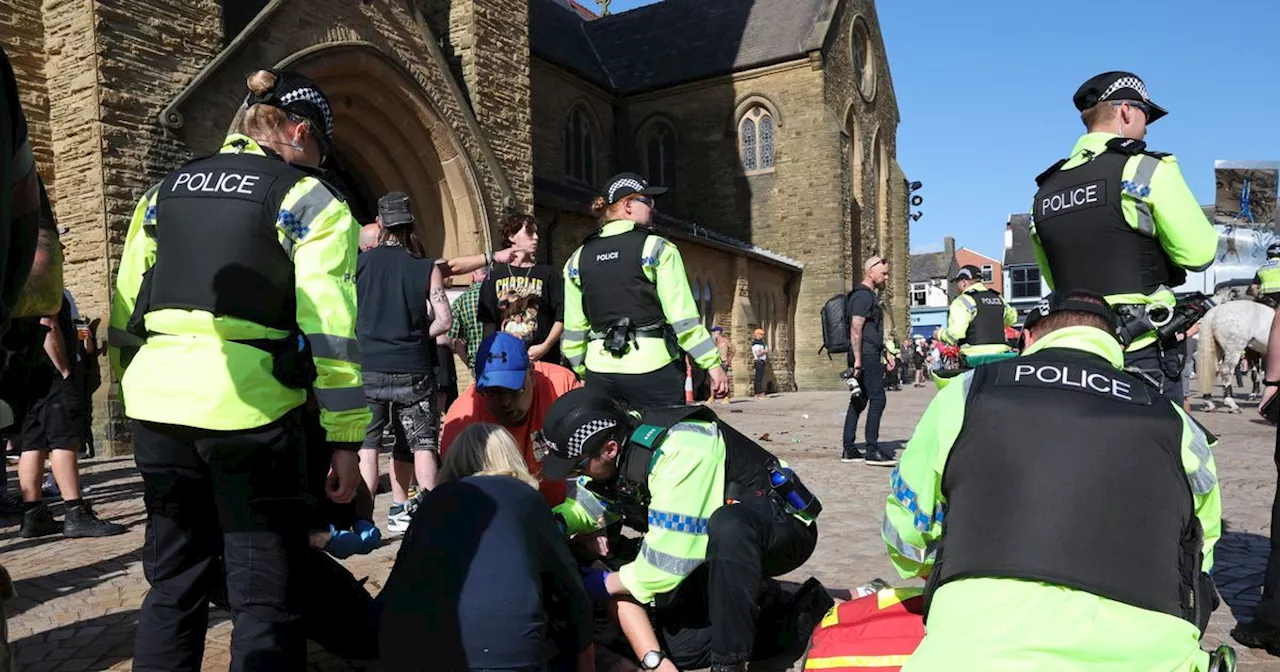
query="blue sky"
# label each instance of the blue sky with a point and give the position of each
(984, 91)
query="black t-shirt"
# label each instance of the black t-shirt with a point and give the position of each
(524, 302)
(392, 323)
(864, 303)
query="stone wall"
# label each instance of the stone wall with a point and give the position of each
(498, 78)
(22, 34)
(555, 95)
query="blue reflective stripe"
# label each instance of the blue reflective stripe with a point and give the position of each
(907, 497)
(678, 522)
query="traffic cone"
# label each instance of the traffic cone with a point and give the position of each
(688, 385)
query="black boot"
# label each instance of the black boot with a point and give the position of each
(81, 521)
(38, 522)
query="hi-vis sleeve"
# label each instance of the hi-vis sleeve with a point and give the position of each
(1186, 235)
(1202, 476)
(573, 342)
(959, 316)
(687, 485)
(915, 508)
(138, 256)
(322, 237)
(663, 264)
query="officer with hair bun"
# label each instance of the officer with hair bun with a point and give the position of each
(236, 299)
(1085, 544)
(1117, 219)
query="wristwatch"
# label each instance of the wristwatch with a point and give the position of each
(652, 660)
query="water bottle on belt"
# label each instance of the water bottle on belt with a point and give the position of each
(793, 492)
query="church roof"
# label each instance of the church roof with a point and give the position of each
(631, 50)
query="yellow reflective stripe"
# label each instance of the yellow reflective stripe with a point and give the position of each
(895, 596)
(832, 617)
(834, 662)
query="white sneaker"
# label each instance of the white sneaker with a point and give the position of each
(398, 519)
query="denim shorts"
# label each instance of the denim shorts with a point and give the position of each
(405, 405)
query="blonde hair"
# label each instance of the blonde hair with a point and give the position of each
(1099, 114)
(485, 449)
(606, 212)
(263, 122)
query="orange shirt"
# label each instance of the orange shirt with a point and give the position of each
(549, 382)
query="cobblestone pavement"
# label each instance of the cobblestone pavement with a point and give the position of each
(79, 598)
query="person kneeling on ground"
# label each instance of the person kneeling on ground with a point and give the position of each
(513, 392)
(1085, 545)
(704, 566)
(483, 580)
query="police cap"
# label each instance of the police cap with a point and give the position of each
(968, 272)
(1075, 301)
(1273, 250)
(623, 185)
(576, 425)
(297, 94)
(1115, 86)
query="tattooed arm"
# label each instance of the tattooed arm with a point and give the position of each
(441, 313)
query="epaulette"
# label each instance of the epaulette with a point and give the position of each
(1052, 169)
(1133, 147)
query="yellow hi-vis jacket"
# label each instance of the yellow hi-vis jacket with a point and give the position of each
(960, 315)
(664, 267)
(188, 372)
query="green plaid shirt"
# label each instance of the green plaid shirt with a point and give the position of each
(465, 325)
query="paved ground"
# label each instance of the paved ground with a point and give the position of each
(79, 599)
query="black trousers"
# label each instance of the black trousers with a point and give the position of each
(238, 495)
(873, 398)
(1268, 611)
(757, 385)
(664, 387)
(729, 610)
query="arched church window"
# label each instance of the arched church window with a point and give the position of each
(579, 147)
(755, 140)
(658, 149)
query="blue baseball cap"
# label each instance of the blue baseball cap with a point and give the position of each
(501, 361)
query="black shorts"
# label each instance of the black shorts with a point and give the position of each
(58, 418)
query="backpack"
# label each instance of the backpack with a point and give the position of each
(835, 325)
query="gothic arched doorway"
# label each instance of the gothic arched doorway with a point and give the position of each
(389, 137)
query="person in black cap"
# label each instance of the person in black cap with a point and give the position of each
(1117, 219)
(628, 309)
(1108, 504)
(977, 318)
(403, 308)
(235, 299)
(721, 516)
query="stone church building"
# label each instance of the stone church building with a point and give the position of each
(773, 122)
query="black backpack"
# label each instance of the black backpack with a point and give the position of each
(835, 325)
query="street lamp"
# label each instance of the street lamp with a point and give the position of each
(916, 199)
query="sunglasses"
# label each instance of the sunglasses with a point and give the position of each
(1146, 109)
(644, 199)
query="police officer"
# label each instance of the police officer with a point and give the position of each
(235, 298)
(977, 318)
(628, 309)
(720, 515)
(1266, 284)
(1117, 219)
(1083, 544)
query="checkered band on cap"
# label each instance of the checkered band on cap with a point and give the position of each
(584, 433)
(315, 98)
(623, 183)
(1126, 83)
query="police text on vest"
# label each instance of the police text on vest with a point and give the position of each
(1078, 197)
(607, 256)
(1066, 376)
(217, 182)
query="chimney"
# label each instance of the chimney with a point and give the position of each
(949, 246)
(949, 249)
(1008, 237)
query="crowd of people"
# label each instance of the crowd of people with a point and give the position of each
(309, 343)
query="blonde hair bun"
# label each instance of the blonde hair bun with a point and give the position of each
(261, 83)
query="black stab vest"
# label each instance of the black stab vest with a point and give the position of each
(1101, 505)
(217, 248)
(987, 326)
(614, 286)
(746, 469)
(1086, 240)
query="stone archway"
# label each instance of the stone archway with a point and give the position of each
(395, 140)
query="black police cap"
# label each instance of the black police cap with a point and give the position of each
(1113, 86)
(1075, 301)
(575, 426)
(968, 272)
(623, 185)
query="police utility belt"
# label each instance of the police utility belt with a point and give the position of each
(620, 336)
(1134, 321)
